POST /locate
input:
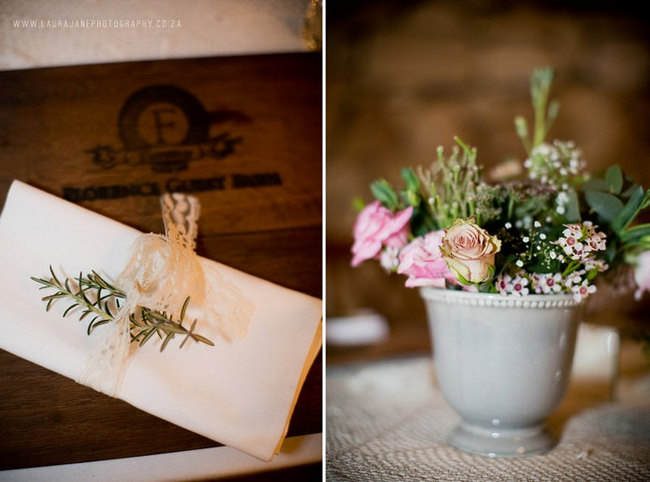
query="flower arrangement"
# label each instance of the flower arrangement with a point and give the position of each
(554, 230)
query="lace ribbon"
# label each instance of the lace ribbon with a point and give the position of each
(160, 274)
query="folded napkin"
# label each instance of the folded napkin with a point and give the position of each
(240, 393)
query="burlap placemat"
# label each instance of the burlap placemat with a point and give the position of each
(388, 421)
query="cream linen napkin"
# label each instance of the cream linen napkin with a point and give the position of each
(239, 393)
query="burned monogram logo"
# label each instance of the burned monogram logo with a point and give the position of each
(167, 127)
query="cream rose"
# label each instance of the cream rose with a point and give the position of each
(469, 251)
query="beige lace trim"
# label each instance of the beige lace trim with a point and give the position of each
(160, 274)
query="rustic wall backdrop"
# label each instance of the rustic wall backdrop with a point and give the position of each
(405, 77)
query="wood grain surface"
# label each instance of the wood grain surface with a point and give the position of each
(241, 133)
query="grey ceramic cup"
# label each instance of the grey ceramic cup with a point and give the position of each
(503, 363)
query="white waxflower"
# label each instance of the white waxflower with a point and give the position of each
(550, 283)
(520, 285)
(581, 291)
(504, 284)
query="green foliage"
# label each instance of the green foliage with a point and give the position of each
(606, 205)
(595, 184)
(385, 194)
(450, 189)
(631, 209)
(636, 234)
(411, 180)
(153, 322)
(454, 189)
(545, 112)
(617, 202)
(529, 216)
(614, 179)
(99, 299)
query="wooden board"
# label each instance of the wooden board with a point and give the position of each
(241, 133)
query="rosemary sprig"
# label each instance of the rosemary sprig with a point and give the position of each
(154, 322)
(100, 299)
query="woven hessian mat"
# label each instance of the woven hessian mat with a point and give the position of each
(388, 421)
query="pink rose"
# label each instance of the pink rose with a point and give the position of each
(422, 261)
(376, 227)
(469, 251)
(642, 274)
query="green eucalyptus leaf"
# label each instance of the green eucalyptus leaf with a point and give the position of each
(605, 205)
(614, 178)
(629, 212)
(631, 189)
(595, 184)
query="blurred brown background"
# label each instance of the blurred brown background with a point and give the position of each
(406, 76)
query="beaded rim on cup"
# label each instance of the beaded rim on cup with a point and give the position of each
(469, 298)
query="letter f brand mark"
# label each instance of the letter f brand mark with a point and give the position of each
(161, 124)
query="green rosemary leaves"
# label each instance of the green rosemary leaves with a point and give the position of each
(100, 300)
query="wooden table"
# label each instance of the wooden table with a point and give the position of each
(241, 133)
